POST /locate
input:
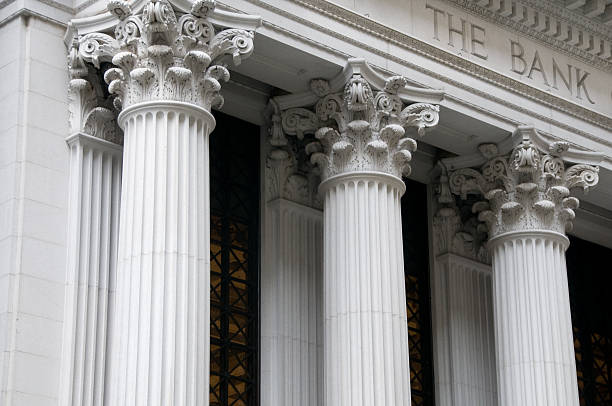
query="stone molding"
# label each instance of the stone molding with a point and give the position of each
(358, 129)
(162, 53)
(542, 20)
(528, 189)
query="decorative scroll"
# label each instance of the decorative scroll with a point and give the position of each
(358, 130)
(89, 112)
(163, 54)
(527, 189)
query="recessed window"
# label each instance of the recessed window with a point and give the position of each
(590, 277)
(234, 231)
(416, 268)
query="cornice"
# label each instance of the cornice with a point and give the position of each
(405, 41)
(561, 12)
(539, 32)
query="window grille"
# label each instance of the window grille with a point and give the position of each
(234, 235)
(416, 267)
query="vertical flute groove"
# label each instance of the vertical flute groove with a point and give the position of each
(366, 334)
(161, 335)
(290, 305)
(95, 173)
(534, 343)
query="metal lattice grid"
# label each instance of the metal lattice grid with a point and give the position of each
(234, 313)
(418, 306)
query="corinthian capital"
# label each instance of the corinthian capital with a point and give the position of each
(529, 189)
(161, 53)
(360, 121)
(90, 112)
(456, 229)
(368, 131)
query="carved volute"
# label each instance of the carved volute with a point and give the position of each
(357, 128)
(528, 189)
(161, 53)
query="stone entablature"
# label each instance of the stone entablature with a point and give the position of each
(528, 189)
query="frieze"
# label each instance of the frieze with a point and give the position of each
(541, 9)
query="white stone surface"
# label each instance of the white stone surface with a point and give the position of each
(528, 207)
(161, 337)
(95, 187)
(366, 329)
(464, 344)
(292, 305)
(33, 202)
(533, 327)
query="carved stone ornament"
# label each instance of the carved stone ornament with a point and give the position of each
(286, 178)
(89, 112)
(358, 129)
(164, 54)
(456, 229)
(528, 189)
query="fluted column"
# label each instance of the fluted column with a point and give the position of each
(462, 307)
(361, 164)
(95, 182)
(366, 331)
(164, 83)
(93, 228)
(528, 210)
(291, 286)
(532, 320)
(163, 309)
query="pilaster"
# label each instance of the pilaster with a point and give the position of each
(528, 207)
(462, 305)
(93, 228)
(292, 277)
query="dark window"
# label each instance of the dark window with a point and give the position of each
(416, 266)
(234, 232)
(589, 269)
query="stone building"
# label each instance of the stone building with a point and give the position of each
(305, 202)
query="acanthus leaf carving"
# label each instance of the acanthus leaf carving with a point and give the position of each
(457, 228)
(290, 177)
(359, 130)
(164, 54)
(527, 189)
(88, 111)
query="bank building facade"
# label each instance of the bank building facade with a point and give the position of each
(305, 202)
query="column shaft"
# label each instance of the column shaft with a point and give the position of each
(163, 289)
(291, 306)
(95, 185)
(534, 341)
(366, 332)
(464, 355)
